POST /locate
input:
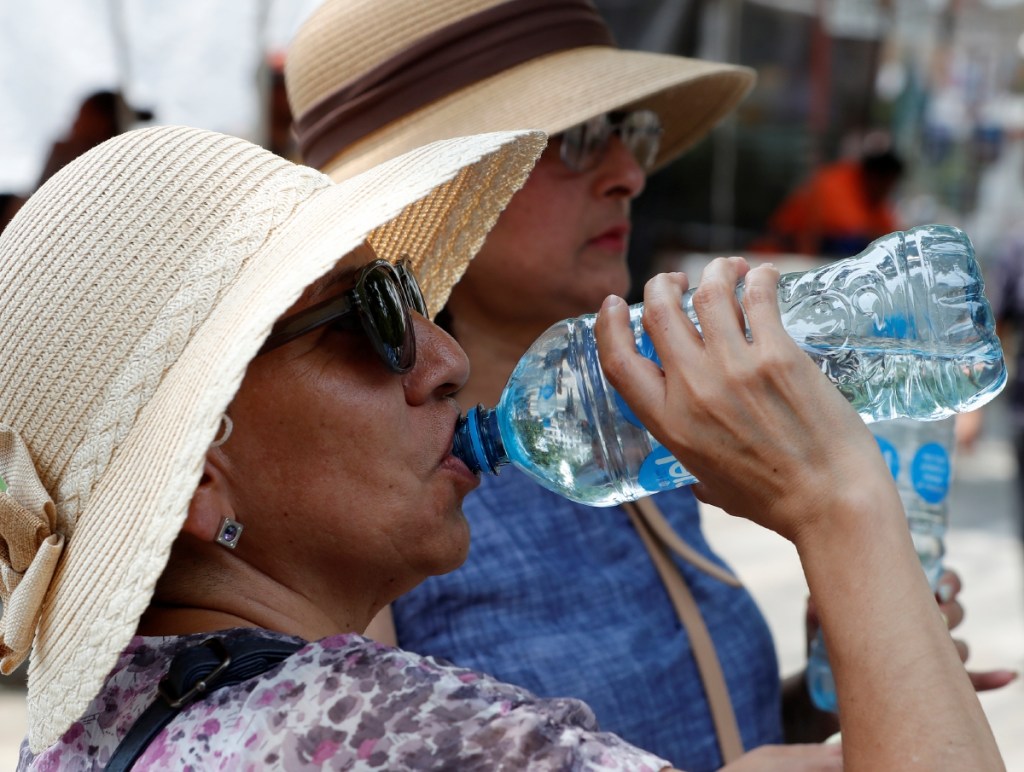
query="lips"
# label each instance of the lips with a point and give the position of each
(614, 238)
(456, 465)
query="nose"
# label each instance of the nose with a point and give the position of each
(619, 174)
(441, 368)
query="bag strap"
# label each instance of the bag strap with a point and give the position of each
(663, 530)
(651, 525)
(194, 673)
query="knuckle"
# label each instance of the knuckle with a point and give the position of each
(656, 315)
(711, 289)
(756, 293)
(771, 362)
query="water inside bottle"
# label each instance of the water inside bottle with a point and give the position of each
(886, 378)
(561, 423)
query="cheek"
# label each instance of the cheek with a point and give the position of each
(339, 450)
(307, 443)
(543, 218)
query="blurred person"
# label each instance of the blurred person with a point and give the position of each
(557, 596)
(842, 208)
(242, 446)
(280, 138)
(101, 115)
(1005, 290)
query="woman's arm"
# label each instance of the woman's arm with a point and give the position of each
(772, 440)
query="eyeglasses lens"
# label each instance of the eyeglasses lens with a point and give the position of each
(384, 307)
(413, 293)
(380, 300)
(641, 133)
(584, 145)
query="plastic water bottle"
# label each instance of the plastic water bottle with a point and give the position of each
(920, 457)
(902, 329)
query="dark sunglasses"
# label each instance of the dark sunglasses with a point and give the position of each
(379, 302)
(584, 145)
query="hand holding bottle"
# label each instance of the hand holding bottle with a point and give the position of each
(755, 421)
(772, 440)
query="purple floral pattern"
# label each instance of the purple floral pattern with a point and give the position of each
(344, 702)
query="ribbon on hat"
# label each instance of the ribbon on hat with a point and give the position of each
(458, 55)
(29, 548)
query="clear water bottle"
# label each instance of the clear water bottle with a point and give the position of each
(920, 457)
(902, 329)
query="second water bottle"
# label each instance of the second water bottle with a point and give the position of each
(920, 458)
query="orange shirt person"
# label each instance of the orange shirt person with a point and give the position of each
(841, 208)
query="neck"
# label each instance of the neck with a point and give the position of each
(206, 588)
(494, 353)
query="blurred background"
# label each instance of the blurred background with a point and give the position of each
(938, 83)
(868, 115)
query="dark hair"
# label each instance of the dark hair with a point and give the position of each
(883, 163)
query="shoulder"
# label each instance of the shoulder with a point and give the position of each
(346, 700)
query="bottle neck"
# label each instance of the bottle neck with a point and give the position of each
(478, 442)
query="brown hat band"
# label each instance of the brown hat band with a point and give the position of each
(470, 50)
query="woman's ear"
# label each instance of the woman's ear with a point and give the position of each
(211, 502)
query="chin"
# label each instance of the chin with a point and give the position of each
(459, 552)
(453, 552)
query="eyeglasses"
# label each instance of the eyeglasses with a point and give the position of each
(584, 145)
(379, 301)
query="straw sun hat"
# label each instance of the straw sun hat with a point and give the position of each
(369, 79)
(135, 287)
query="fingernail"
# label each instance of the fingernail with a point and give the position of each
(612, 301)
(944, 592)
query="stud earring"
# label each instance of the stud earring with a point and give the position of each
(230, 532)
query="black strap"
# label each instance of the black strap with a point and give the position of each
(194, 673)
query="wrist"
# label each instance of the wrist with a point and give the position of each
(845, 523)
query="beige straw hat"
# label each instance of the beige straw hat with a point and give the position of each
(370, 79)
(135, 287)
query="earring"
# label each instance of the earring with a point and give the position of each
(230, 532)
(225, 433)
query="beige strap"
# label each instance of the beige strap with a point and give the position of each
(662, 529)
(689, 614)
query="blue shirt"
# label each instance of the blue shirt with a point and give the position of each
(563, 599)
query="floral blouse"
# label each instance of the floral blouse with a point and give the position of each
(344, 702)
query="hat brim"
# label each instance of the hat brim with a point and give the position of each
(124, 535)
(554, 92)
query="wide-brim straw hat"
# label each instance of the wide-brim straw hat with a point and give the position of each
(370, 79)
(135, 287)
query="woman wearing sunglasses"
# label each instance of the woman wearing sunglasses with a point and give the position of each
(225, 443)
(556, 595)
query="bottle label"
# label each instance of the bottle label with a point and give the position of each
(661, 471)
(930, 469)
(930, 472)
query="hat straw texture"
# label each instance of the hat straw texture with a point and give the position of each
(344, 40)
(135, 286)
